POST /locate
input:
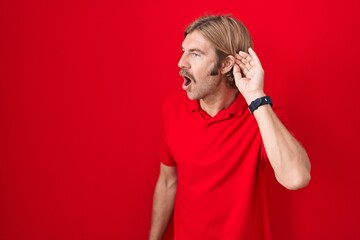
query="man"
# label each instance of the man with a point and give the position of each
(219, 138)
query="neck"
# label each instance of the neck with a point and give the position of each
(214, 104)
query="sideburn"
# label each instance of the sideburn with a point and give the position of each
(220, 57)
(215, 70)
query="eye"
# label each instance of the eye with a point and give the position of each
(194, 54)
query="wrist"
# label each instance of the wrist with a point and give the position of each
(254, 105)
(250, 97)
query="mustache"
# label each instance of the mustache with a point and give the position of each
(184, 73)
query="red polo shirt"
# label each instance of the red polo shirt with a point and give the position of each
(220, 163)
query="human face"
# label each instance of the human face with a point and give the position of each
(199, 67)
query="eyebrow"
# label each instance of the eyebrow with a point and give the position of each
(194, 50)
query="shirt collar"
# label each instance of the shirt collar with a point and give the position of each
(194, 106)
(237, 107)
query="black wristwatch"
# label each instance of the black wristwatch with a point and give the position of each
(259, 102)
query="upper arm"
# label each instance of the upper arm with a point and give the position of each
(168, 175)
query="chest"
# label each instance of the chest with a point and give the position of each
(200, 146)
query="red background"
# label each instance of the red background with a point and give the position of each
(81, 90)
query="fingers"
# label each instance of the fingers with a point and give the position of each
(247, 61)
(245, 55)
(245, 68)
(251, 56)
(244, 64)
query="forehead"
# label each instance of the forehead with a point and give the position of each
(196, 41)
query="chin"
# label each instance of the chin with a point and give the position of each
(191, 96)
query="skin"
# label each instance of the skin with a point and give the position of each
(287, 157)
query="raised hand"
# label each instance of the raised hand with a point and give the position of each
(249, 75)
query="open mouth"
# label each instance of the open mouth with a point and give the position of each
(187, 81)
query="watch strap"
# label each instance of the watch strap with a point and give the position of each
(259, 102)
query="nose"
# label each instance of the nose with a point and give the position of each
(183, 63)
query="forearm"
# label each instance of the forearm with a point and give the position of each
(286, 155)
(163, 205)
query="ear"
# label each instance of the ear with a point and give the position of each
(227, 64)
